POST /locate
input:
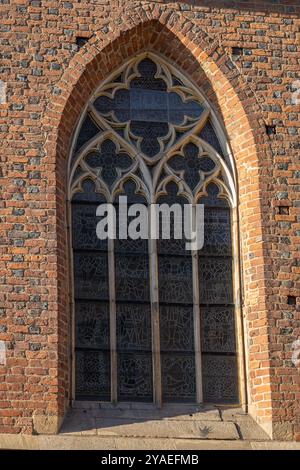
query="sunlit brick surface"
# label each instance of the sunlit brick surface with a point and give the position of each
(50, 74)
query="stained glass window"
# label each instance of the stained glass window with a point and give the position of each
(141, 309)
(216, 296)
(176, 311)
(133, 320)
(91, 292)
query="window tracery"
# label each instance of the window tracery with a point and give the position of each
(148, 134)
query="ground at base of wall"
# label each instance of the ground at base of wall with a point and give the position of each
(172, 428)
(62, 442)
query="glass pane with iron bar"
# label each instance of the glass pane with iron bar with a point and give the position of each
(92, 334)
(218, 336)
(92, 375)
(133, 312)
(176, 309)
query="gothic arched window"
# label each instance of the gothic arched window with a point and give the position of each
(153, 321)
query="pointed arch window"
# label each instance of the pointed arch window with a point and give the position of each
(153, 322)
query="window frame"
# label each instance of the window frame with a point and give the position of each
(228, 191)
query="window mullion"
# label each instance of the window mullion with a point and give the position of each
(113, 321)
(154, 298)
(197, 326)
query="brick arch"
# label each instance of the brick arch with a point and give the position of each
(202, 59)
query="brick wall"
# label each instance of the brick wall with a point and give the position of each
(50, 72)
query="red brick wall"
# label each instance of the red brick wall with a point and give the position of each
(49, 79)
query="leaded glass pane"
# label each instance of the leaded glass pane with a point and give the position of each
(150, 132)
(172, 196)
(129, 245)
(132, 278)
(175, 279)
(130, 190)
(84, 222)
(209, 135)
(175, 221)
(172, 246)
(88, 130)
(120, 105)
(135, 377)
(108, 161)
(220, 383)
(148, 107)
(178, 377)
(178, 109)
(215, 277)
(147, 81)
(217, 321)
(176, 328)
(212, 199)
(151, 116)
(176, 319)
(134, 327)
(218, 329)
(91, 276)
(92, 375)
(134, 342)
(88, 193)
(217, 234)
(92, 325)
(191, 163)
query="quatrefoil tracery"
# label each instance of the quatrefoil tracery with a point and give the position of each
(149, 108)
(149, 122)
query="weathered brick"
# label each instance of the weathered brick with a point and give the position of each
(49, 80)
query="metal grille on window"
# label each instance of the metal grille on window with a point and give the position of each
(153, 320)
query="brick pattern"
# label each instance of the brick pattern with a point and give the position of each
(245, 58)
